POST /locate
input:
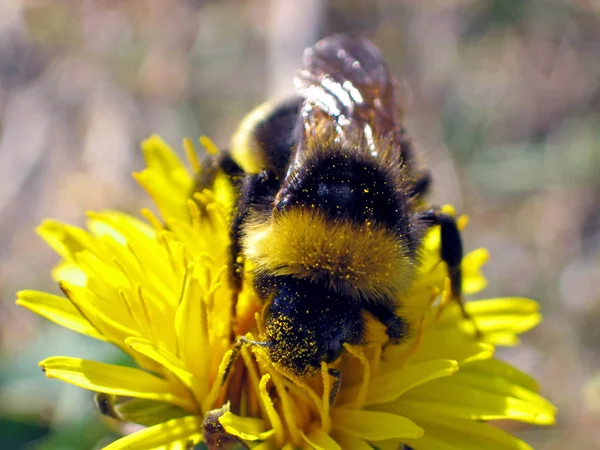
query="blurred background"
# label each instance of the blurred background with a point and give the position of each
(502, 96)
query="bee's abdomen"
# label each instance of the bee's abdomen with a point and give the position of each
(265, 138)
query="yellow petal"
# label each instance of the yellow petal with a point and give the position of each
(143, 246)
(98, 267)
(59, 310)
(319, 440)
(433, 346)
(505, 315)
(472, 284)
(161, 157)
(163, 358)
(167, 199)
(224, 191)
(498, 368)
(450, 433)
(66, 240)
(102, 228)
(503, 306)
(94, 308)
(247, 428)
(272, 413)
(349, 442)
(111, 379)
(506, 339)
(191, 328)
(192, 156)
(374, 425)
(478, 397)
(176, 434)
(475, 259)
(391, 385)
(120, 226)
(70, 273)
(166, 179)
(500, 320)
(539, 410)
(473, 280)
(147, 412)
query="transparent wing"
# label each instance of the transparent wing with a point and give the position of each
(346, 82)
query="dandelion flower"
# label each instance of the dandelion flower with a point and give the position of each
(157, 289)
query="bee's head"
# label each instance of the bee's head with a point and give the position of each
(305, 324)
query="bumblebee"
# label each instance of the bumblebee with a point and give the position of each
(331, 208)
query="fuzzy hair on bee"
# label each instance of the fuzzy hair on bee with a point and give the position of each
(331, 209)
(342, 245)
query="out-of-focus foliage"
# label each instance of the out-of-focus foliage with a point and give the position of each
(502, 96)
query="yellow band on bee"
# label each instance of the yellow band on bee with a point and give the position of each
(245, 151)
(364, 260)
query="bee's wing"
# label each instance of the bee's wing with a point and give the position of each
(346, 82)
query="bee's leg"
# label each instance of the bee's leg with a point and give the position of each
(451, 246)
(395, 327)
(233, 357)
(421, 185)
(211, 166)
(235, 353)
(256, 194)
(451, 252)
